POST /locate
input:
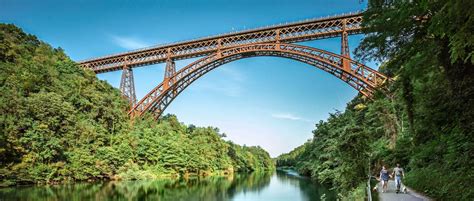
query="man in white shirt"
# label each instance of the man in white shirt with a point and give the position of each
(398, 173)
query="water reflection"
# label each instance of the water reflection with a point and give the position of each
(309, 189)
(255, 186)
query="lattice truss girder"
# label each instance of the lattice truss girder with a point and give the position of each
(289, 33)
(127, 86)
(359, 76)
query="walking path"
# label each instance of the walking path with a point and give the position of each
(390, 195)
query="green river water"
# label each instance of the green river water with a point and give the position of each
(278, 185)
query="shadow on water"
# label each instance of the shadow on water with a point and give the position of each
(261, 186)
(309, 189)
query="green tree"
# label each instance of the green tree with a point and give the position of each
(59, 122)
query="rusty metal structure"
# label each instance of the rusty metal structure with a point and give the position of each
(217, 50)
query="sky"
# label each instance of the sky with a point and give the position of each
(267, 101)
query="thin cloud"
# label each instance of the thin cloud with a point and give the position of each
(288, 116)
(228, 83)
(228, 89)
(129, 42)
(233, 74)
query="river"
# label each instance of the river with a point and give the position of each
(278, 185)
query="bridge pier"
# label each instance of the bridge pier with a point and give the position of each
(127, 85)
(170, 70)
(345, 51)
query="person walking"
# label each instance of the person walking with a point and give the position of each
(384, 178)
(398, 173)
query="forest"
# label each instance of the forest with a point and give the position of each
(59, 123)
(423, 119)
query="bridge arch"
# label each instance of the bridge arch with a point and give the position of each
(362, 78)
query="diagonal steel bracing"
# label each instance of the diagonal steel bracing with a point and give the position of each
(127, 86)
(357, 75)
(314, 29)
(218, 50)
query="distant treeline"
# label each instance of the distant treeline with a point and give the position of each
(60, 123)
(425, 123)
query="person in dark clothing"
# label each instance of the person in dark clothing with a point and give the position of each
(384, 178)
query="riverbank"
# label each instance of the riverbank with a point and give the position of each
(136, 176)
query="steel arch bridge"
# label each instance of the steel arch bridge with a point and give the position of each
(218, 50)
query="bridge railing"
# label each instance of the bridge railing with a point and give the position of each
(287, 33)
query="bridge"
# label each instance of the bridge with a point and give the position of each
(217, 50)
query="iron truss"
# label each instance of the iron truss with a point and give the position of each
(342, 25)
(218, 50)
(357, 75)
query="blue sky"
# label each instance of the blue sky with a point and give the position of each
(266, 101)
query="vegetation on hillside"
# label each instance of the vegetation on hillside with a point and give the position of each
(426, 123)
(59, 123)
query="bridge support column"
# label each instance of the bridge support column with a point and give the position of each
(219, 47)
(345, 52)
(277, 39)
(127, 85)
(170, 70)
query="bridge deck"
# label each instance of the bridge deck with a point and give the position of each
(287, 33)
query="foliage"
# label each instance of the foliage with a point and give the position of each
(291, 158)
(60, 123)
(339, 152)
(426, 121)
(252, 158)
